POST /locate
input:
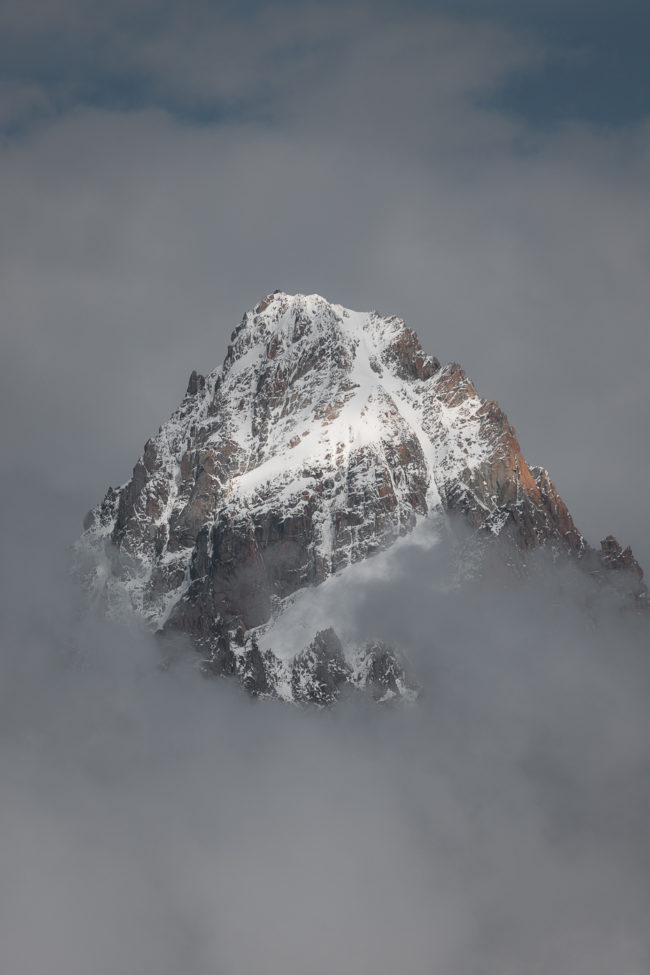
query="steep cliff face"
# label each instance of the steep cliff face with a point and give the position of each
(324, 438)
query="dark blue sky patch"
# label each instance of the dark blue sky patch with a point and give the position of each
(595, 69)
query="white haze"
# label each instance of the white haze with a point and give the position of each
(155, 821)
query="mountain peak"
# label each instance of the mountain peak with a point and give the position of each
(282, 325)
(324, 438)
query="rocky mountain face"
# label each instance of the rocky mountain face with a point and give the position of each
(326, 436)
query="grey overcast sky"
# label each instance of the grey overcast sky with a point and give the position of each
(479, 168)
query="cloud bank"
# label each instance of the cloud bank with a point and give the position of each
(157, 821)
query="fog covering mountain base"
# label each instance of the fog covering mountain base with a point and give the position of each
(327, 437)
(155, 821)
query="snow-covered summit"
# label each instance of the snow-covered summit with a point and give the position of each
(324, 437)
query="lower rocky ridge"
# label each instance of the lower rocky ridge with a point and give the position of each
(323, 671)
(616, 568)
(318, 675)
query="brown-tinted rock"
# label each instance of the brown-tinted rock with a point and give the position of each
(614, 556)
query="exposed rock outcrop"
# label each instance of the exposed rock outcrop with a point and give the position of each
(318, 674)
